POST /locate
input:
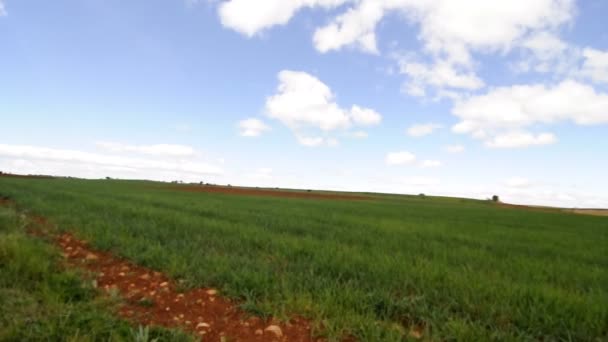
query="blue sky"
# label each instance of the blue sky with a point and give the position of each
(468, 98)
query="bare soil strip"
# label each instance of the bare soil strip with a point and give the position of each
(151, 298)
(595, 212)
(267, 192)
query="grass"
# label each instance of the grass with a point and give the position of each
(459, 269)
(40, 301)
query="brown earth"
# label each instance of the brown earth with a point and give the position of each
(24, 176)
(595, 212)
(267, 192)
(152, 298)
(530, 207)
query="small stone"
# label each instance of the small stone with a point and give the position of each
(259, 332)
(164, 284)
(122, 274)
(212, 292)
(91, 256)
(415, 334)
(275, 330)
(202, 325)
(145, 276)
(188, 322)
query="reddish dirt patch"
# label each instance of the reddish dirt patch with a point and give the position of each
(267, 192)
(152, 299)
(24, 176)
(530, 207)
(594, 212)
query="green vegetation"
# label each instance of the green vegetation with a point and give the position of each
(39, 301)
(461, 269)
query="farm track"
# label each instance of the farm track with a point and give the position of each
(152, 298)
(267, 192)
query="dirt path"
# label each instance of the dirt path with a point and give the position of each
(151, 298)
(268, 192)
(595, 212)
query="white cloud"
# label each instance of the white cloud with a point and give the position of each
(518, 182)
(499, 116)
(156, 150)
(544, 44)
(595, 65)
(447, 28)
(450, 33)
(455, 148)
(356, 26)
(364, 116)
(547, 53)
(420, 130)
(252, 127)
(400, 158)
(304, 103)
(520, 139)
(430, 163)
(440, 75)
(2, 9)
(251, 17)
(76, 163)
(450, 28)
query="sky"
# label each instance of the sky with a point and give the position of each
(458, 98)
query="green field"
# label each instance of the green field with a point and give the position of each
(462, 269)
(42, 301)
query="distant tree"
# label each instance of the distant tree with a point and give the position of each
(108, 178)
(421, 195)
(495, 198)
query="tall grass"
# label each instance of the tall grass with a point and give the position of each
(460, 269)
(41, 301)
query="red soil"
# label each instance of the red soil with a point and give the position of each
(267, 192)
(151, 298)
(25, 176)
